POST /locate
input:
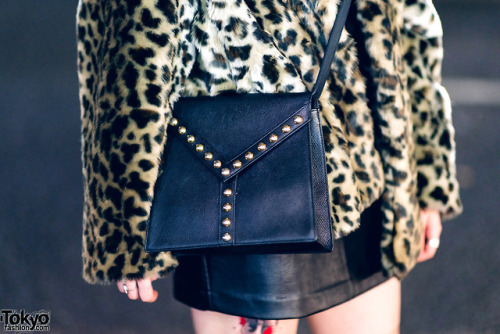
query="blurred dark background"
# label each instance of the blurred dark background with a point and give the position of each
(41, 184)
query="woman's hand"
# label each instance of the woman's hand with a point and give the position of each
(431, 233)
(142, 288)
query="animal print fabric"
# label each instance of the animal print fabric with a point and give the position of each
(136, 58)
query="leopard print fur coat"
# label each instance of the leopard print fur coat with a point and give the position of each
(386, 117)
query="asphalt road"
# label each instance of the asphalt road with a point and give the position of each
(41, 189)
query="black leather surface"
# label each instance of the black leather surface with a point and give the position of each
(232, 122)
(320, 187)
(226, 125)
(279, 197)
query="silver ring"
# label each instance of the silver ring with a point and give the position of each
(434, 243)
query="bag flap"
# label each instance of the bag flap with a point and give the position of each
(229, 131)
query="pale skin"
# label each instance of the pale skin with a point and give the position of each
(379, 308)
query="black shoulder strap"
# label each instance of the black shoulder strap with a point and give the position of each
(331, 47)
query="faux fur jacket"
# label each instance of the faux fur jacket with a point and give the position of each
(386, 117)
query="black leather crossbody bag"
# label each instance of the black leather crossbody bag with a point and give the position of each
(246, 172)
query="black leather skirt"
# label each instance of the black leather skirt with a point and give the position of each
(284, 286)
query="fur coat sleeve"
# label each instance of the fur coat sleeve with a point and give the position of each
(132, 58)
(433, 131)
(412, 117)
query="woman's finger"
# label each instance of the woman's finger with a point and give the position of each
(119, 285)
(146, 292)
(423, 220)
(133, 291)
(432, 231)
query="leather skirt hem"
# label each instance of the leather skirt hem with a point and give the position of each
(269, 309)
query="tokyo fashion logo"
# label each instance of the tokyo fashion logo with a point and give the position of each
(22, 321)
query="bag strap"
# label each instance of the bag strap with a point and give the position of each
(331, 47)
